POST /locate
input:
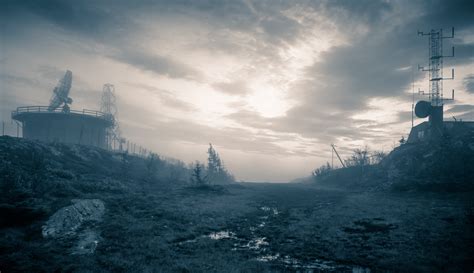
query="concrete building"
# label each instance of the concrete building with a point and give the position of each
(63, 125)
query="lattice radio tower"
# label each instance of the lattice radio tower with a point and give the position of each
(109, 107)
(435, 66)
(435, 70)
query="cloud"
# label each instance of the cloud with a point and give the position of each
(327, 59)
(167, 98)
(469, 83)
(50, 72)
(17, 80)
(155, 63)
(236, 88)
(341, 83)
(460, 108)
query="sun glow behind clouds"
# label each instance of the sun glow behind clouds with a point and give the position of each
(268, 101)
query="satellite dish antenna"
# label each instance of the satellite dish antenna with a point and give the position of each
(423, 109)
(61, 93)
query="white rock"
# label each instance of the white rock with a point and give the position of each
(68, 219)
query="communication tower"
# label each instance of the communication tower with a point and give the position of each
(433, 108)
(109, 107)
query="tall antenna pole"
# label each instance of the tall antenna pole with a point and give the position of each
(435, 70)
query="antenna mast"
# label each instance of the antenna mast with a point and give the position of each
(435, 69)
(109, 107)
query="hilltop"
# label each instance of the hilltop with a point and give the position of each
(441, 166)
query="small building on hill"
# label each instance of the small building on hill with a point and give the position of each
(423, 131)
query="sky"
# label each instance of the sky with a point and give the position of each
(270, 83)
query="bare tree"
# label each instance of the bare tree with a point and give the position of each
(378, 156)
(359, 157)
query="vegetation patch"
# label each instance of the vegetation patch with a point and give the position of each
(369, 226)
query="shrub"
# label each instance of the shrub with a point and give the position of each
(359, 157)
(322, 171)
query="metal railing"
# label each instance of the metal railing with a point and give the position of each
(11, 128)
(45, 109)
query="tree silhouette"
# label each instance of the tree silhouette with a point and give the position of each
(216, 172)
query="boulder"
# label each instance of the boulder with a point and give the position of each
(68, 219)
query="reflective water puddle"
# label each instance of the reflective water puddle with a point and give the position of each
(260, 246)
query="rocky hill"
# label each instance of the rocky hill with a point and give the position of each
(444, 165)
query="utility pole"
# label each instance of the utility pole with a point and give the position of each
(332, 159)
(334, 149)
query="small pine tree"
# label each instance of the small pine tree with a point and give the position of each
(198, 177)
(216, 172)
(214, 163)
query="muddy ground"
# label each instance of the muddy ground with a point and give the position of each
(259, 228)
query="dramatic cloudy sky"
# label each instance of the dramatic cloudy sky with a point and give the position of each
(270, 83)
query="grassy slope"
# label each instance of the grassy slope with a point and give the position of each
(156, 224)
(442, 166)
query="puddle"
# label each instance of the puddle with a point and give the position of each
(222, 235)
(219, 235)
(260, 247)
(274, 211)
(268, 258)
(257, 243)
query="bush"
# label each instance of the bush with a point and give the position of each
(359, 157)
(152, 163)
(322, 171)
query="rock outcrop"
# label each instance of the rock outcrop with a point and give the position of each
(67, 220)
